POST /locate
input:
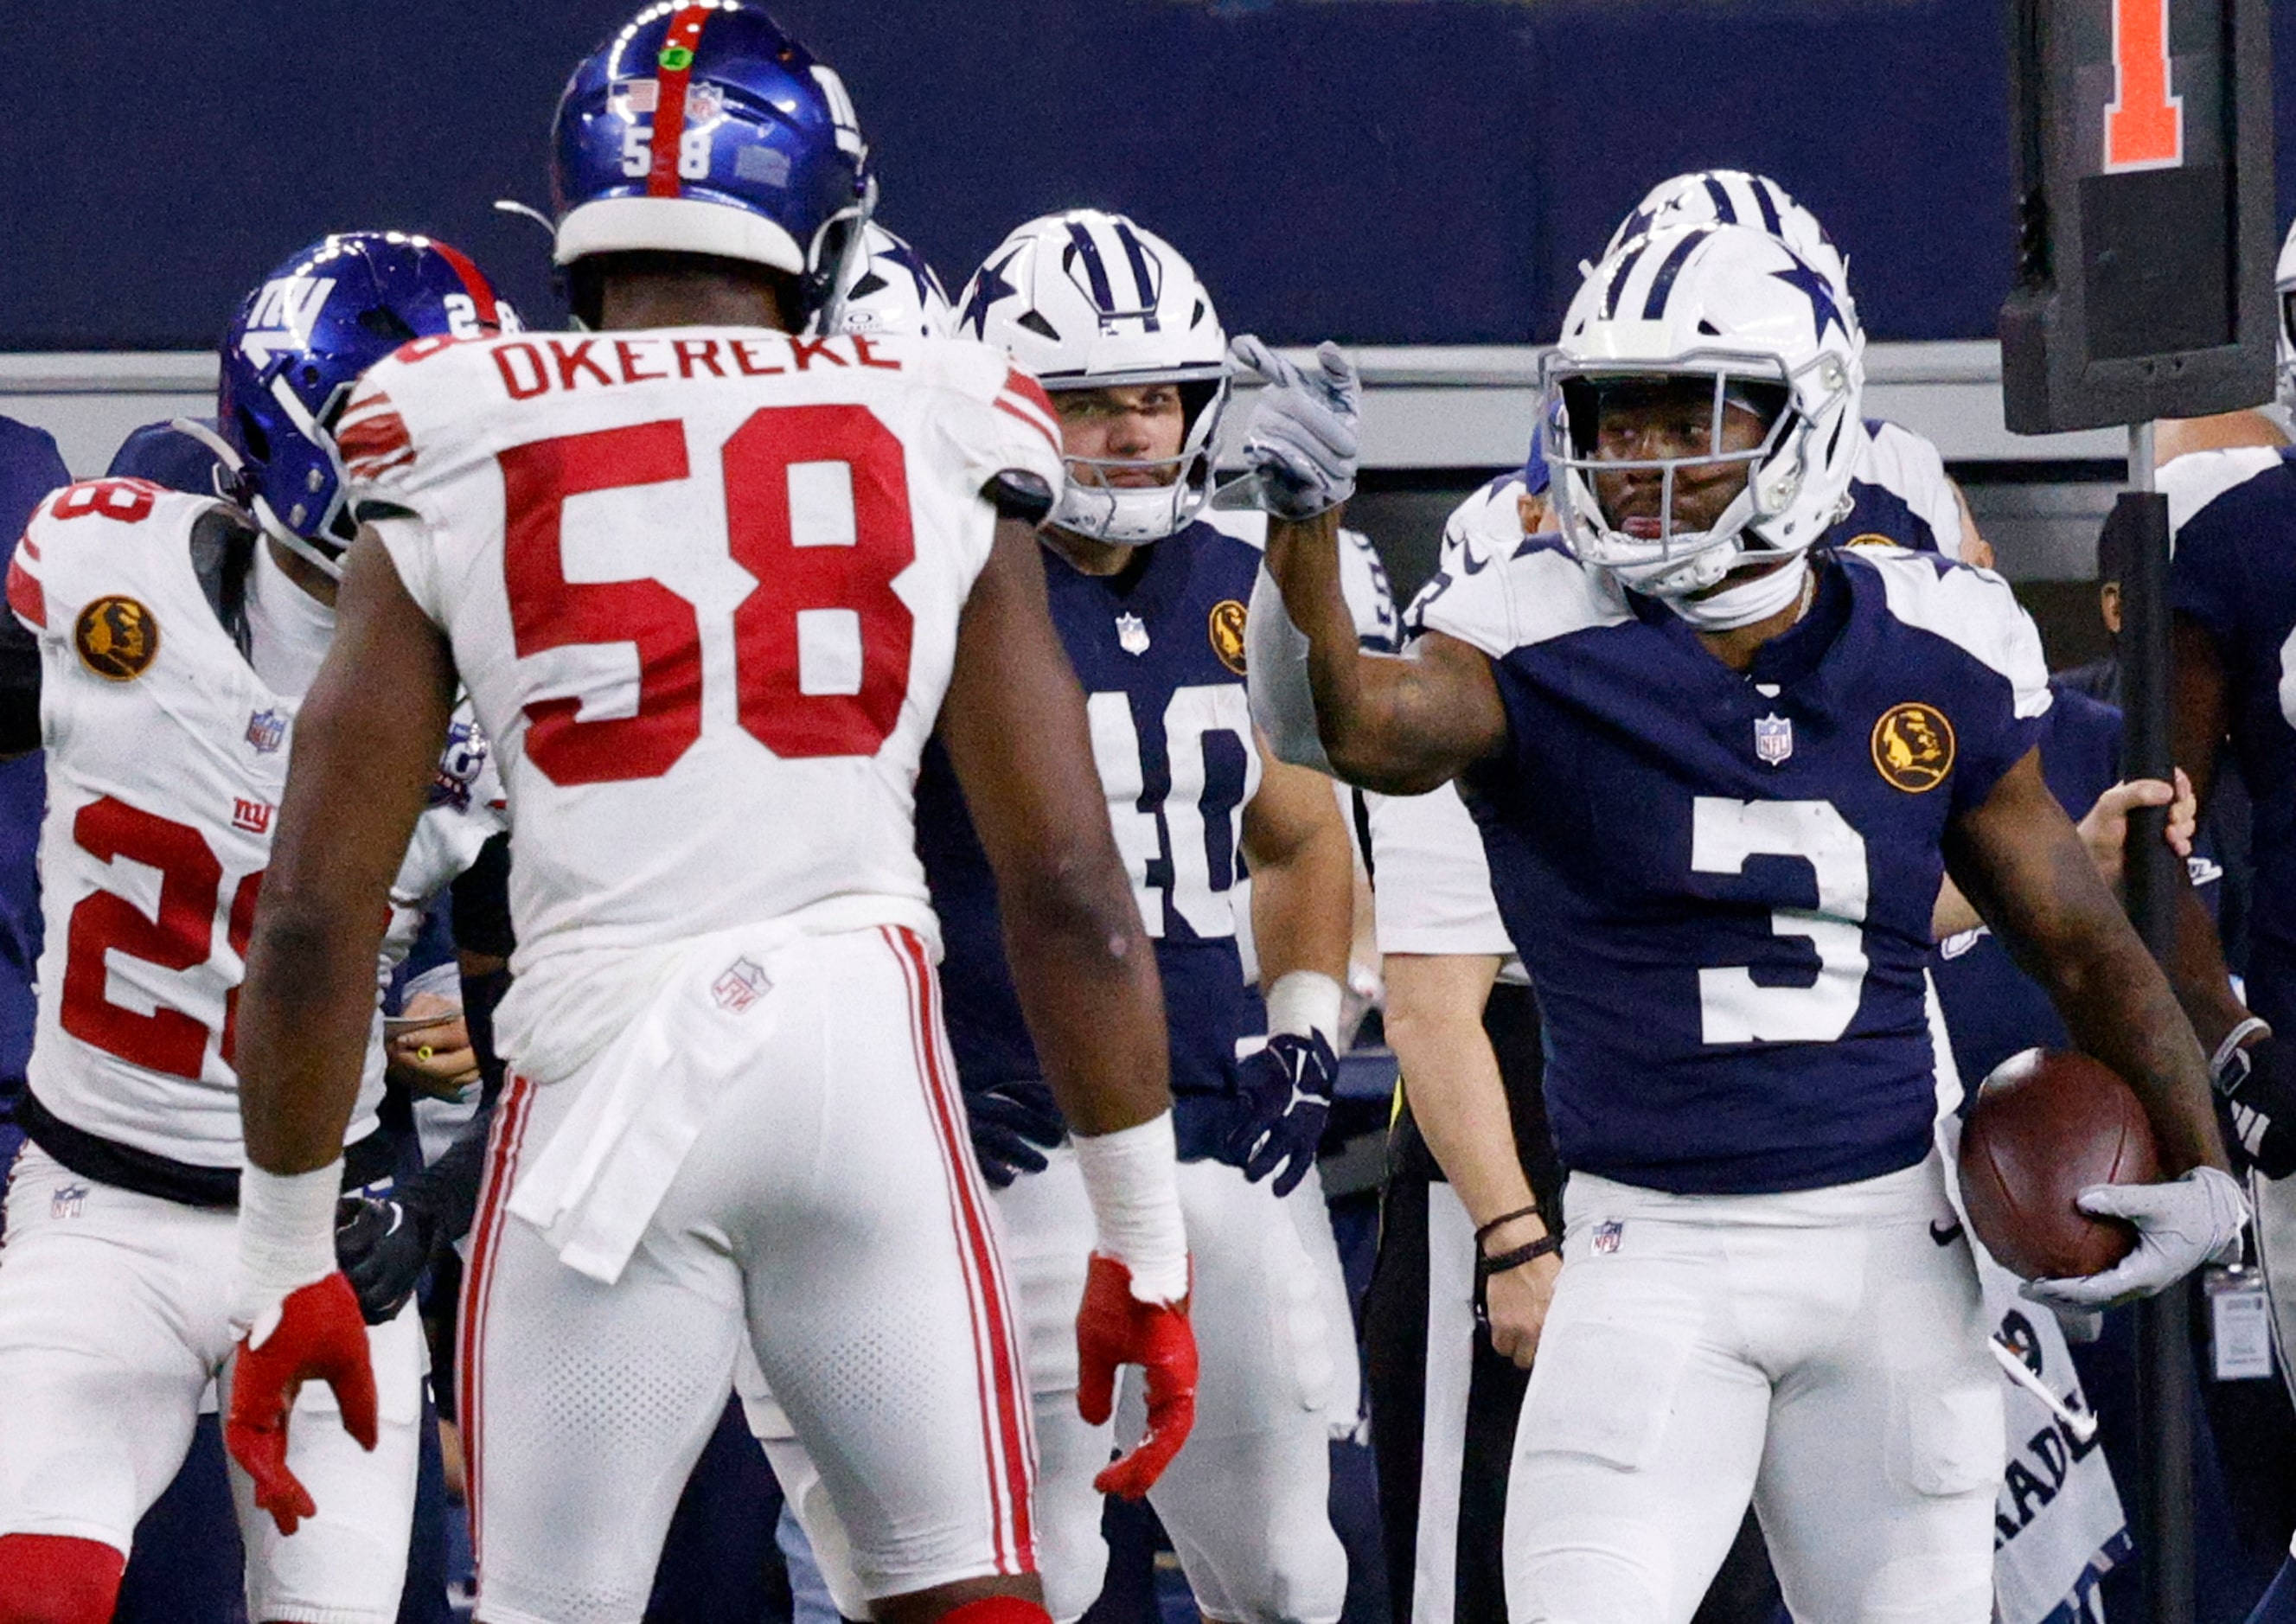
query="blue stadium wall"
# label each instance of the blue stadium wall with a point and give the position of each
(1381, 171)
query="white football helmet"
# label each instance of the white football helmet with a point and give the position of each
(1089, 300)
(1735, 197)
(889, 288)
(1730, 305)
(2284, 279)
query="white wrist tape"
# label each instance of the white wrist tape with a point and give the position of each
(1304, 1001)
(1276, 663)
(1132, 1179)
(286, 1237)
(2233, 1039)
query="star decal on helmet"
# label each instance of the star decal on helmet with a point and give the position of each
(988, 287)
(897, 252)
(1823, 312)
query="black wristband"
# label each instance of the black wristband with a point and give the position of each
(1485, 1268)
(1483, 1232)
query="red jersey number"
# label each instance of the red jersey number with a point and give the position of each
(830, 591)
(180, 937)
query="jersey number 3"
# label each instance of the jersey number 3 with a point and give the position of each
(835, 592)
(1732, 1007)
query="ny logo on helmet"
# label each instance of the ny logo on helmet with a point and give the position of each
(285, 311)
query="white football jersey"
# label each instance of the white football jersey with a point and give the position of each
(703, 586)
(165, 758)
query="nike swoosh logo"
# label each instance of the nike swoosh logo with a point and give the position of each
(1944, 1234)
(1471, 564)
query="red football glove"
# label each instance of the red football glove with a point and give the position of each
(319, 1334)
(1113, 1328)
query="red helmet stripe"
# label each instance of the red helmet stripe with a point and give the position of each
(670, 83)
(474, 282)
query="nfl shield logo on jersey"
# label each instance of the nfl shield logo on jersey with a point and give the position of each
(1772, 739)
(1608, 1236)
(1132, 633)
(266, 730)
(740, 986)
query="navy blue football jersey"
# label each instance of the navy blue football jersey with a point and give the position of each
(1159, 650)
(2234, 573)
(1722, 883)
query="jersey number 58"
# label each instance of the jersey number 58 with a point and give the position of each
(848, 583)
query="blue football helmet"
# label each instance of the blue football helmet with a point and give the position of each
(702, 128)
(297, 345)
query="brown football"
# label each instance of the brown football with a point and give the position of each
(2045, 1125)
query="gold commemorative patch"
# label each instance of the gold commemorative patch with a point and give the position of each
(1871, 538)
(1227, 634)
(1913, 747)
(118, 638)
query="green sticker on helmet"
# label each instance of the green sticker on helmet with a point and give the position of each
(677, 59)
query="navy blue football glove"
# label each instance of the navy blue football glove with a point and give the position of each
(383, 1245)
(1013, 1124)
(1287, 1093)
(2256, 1102)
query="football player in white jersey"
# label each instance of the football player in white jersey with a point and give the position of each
(1674, 721)
(176, 636)
(712, 586)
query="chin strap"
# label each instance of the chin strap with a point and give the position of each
(1748, 600)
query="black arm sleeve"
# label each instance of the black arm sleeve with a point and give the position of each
(481, 902)
(480, 994)
(19, 687)
(448, 1188)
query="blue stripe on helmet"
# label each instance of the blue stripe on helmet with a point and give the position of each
(1663, 284)
(1095, 267)
(1138, 257)
(1724, 210)
(1771, 223)
(1619, 279)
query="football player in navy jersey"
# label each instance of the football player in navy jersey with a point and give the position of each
(1150, 605)
(1719, 777)
(2233, 590)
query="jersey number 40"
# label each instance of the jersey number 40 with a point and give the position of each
(849, 586)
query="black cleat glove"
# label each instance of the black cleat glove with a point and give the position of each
(1013, 1124)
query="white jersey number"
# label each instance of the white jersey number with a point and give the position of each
(1179, 832)
(1723, 835)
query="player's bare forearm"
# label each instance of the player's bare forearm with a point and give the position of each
(1434, 1023)
(2021, 862)
(1401, 724)
(1303, 873)
(366, 744)
(1082, 963)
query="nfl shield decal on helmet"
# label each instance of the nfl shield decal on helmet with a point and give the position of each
(1772, 739)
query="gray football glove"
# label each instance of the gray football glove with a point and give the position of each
(2180, 1225)
(1301, 439)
